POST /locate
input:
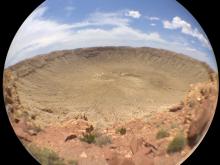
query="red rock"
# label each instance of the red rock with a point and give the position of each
(115, 160)
(135, 144)
(92, 161)
(175, 108)
(119, 160)
(127, 162)
(199, 122)
(108, 154)
(142, 158)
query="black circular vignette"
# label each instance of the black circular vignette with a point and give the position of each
(206, 13)
(13, 15)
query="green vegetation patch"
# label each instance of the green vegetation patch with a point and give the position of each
(88, 138)
(46, 156)
(162, 133)
(121, 131)
(103, 140)
(174, 125)
(177, 144)
(73, 162)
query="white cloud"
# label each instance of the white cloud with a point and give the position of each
(153, 18)
(112, 18)
(117, 36)
(101, 19)
(40, 35)
(186, 28)
(133, 14)
(152, 24)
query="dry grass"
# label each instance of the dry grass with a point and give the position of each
(103, 140)
(88, 138)
(45, 156)
(177, 144)
(162, 133)
(121, 131)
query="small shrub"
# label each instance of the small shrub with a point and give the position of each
(191, 103)
(73, 162)
(103, 140)
(33, 129)
(174, 125)
(192, 141)
(158, 125)
(122, 131)
(162, 134)
(97, 132)
(37, 129)
(89, 129)
(33, 116)
(177, 144)
(45, 156)
(88, 138)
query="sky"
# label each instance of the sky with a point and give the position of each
(70, 24)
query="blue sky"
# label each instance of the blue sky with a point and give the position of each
(69, 24)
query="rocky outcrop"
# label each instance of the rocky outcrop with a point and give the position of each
(177, 107)
(11, 97)
(200, 107)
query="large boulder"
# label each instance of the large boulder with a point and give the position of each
(202, 111)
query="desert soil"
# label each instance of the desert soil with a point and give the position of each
(141, 89)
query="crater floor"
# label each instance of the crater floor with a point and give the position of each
(107, 84)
